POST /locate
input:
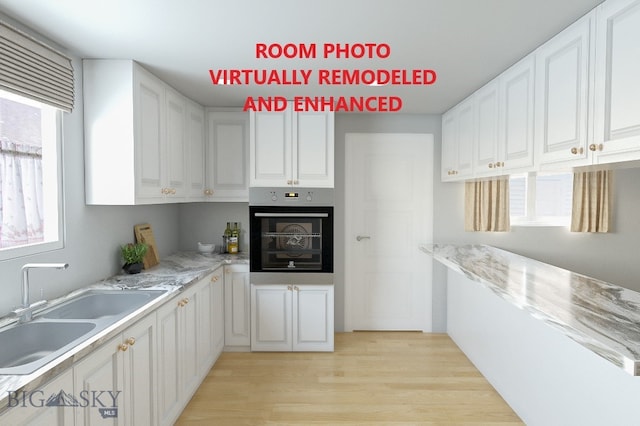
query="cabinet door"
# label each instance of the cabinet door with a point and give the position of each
(228, 152)
(169, 400)
(140, 378)
(457, 141)
(270, 152)
(465, 138)
(204, 326)
(188, 357)
(485, 157)
(176, 116)
(516, 116)
(100, 376)
(35, 412)
(217, 303)
(449, 146)
(561, 96)
(237, 296)
(312, 150)
(196, 169)
(271, 318)
(617, 87)
(150, 150)
(312, 318)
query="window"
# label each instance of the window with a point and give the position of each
(30, 183)
(540, 199)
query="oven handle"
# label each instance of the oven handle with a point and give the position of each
(258, 214)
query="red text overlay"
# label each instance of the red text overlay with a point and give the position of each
(369, 76)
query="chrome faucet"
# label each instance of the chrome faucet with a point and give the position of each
(25, 313)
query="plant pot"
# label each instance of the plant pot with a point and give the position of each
(133, 268)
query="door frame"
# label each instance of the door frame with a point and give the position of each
(349, 298)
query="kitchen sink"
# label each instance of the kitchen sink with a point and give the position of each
(97, 304)
(28, 346)
(25, 347)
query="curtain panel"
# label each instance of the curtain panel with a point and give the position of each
(487, 205)
(591, 210)
(21, 206)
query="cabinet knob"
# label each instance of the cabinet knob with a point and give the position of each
(289, 288)
(576, 151)
(295, 287)
(295, 182)
(490, 165)
(172, 191)
(131, 341)
(594, 147)
(123, 347)
(186, 300)
(289, 181)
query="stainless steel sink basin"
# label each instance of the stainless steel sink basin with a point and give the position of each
(97, 304)
(26, 347)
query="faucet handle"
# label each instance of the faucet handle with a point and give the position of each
(20, 311)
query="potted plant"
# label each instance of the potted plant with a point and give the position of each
(133, 255)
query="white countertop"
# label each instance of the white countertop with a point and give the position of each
(603, 317)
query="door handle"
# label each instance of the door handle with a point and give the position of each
(362, 237)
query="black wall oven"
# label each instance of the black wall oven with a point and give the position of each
(291, 235)
(291, 238)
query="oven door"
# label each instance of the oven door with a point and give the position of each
(291, 239)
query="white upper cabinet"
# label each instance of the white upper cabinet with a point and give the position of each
(562, 96)
(227, 156)
(137, 135)
(176, 134)
(197, 151)
(485, 152)
(458, 139)
(290, 148)
(617, 82)
(312, 149)
(515, 147)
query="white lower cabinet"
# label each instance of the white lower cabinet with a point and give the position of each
(145, 375)
(291, 317)
(118, 380)
(186, 344)
(33, 410)
(237, 296)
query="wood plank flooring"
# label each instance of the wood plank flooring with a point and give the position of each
(372, 378)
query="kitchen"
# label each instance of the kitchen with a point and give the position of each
(94, 233)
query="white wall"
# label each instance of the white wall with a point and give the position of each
(93, 233)
(205, 222)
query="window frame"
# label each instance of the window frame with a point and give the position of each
(531, 219)
(51, 194)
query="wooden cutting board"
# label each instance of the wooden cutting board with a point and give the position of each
(144, 234)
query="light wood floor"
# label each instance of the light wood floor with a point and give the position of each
(371, 378)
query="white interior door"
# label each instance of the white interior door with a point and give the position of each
(389, 212)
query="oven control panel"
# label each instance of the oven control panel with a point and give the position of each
(286, 197)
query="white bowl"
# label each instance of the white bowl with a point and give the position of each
(206, 248)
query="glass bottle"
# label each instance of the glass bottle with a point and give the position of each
(233, 239)
(226, 238)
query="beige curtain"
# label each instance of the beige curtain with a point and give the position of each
(487, 205)
(591, 201)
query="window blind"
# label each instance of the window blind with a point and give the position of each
(34, 70)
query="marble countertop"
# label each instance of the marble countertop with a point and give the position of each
(173, 273)
(603, 317)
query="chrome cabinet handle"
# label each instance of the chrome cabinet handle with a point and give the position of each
(363, 237)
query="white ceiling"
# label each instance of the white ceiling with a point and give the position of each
(467, 42)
